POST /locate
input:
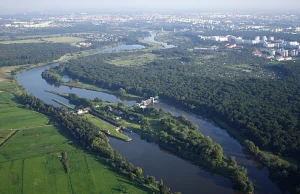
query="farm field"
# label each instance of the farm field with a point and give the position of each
(33, 142)
(46, 174)
(12, 114)
(32, 161)
(14, 117)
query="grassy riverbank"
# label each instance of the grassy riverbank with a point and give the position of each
(108, 128)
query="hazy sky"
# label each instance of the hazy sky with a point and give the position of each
(9, 6)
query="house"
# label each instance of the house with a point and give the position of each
(83, 111)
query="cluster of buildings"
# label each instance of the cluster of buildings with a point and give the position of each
(194, 21)
(270, 48)
(147, 102)
(280, 49)
(82, 44)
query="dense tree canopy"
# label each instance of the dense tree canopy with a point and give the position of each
(32, 53)
(264, 110)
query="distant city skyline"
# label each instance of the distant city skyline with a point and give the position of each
(25, 6)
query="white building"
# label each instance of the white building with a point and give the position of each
(272, 52)
(264, 38)
(269, 45)
(294, 53)
(271, 38)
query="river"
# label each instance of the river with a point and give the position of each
(177, 173)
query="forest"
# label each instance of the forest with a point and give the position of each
(264, 110)
(262, 105)
(32, 53)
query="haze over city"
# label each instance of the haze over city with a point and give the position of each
(156, 96)
(24, 6)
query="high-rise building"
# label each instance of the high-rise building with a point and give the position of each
(269, 45)
(271, 38)
(294, 53)
(285, 53)
(264, 38)
(272, 52)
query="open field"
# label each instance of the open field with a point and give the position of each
(60, 39)
(64, 39)
(21, 41)
(30, 162)
(134, 59)
(110, 182)
(11, 176)
(106, 126)
(5, 135)
(13, 117)
(5, 71)
(46, 174)
(34, 142)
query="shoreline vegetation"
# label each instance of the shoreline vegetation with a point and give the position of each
(92, 139)
(176, 134)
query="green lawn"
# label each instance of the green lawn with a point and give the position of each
(106, 126)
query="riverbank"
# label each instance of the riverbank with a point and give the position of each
(82, 85)
(153, 125)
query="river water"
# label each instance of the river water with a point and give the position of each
(177, 173)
